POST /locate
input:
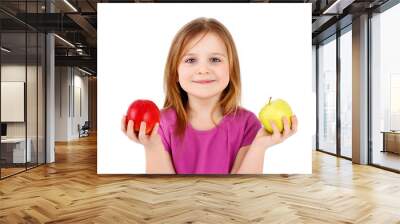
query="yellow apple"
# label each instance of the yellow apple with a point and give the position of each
(275, 110)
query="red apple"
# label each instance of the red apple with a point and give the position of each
(143, 110)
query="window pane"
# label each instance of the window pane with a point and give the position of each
(31, 101)
(327, 96)
(41, 98)
(14, 153)
(386, 89)
(346, 94)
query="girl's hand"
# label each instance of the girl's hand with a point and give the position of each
(148, 141)
(264, 140)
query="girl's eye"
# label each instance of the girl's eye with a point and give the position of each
(190, 60)
(215, 60)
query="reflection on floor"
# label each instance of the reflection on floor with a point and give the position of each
(10, 169)
(386, 159)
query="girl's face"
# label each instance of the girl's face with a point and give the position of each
(204, 68)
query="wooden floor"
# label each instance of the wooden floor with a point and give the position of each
(70, 191)
(5, 172)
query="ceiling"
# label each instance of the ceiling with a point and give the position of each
(76, 22)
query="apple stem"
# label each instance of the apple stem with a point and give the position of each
(269, 100)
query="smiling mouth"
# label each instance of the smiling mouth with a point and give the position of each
(204, 81)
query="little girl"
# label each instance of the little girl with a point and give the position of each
(202, 129)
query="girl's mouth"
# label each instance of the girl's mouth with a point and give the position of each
(204, 81)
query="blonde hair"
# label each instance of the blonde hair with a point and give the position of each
(176, 97)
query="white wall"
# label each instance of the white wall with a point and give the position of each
(69, 81)
(79, 117)
(61, 103)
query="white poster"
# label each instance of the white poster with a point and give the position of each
(273, 46)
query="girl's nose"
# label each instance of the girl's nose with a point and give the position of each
(203, 69)
(203, 72)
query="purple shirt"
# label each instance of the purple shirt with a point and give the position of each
(210, 151)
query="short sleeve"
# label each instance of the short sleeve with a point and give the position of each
(165, 136)
(251, 127)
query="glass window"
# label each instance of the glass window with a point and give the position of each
(22, 91)
(327, 96)
(346, 94)
(41, 98)
(31, 101)
(385, 84)
(13, 88)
